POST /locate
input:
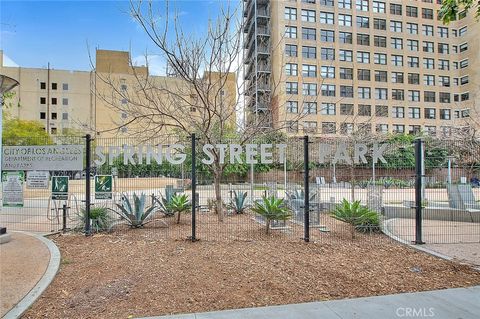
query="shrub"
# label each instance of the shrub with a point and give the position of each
(137, 214)
(179, 204)
(100, 220)
(271, 208)
(361, 218)
(238, 204)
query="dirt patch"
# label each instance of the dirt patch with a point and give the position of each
(134, 274)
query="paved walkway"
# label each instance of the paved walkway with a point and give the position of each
(439, 304)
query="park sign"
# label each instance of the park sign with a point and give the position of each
(235, 153)
(12, 188)
(60, 187)
(103, 186)
(38, 179)
(43, 158)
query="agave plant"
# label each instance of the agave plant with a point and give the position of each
(360, 218)
(137, 214)
(238, 203)
(271, 208)
(164, 205)
(179, 204)
(100, 220)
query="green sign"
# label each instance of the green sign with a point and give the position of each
(103, 186)
(12, 187)
(60, 187)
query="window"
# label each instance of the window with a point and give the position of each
(308, 34)
(462, 31)
(328, 18)
(398, 128)
(443, 48)
(310, 89)
(398, 94)
(309, 52)
(291, 32)
(428, 46)
(54, 101)
(364, 110)
(397, 43)
(414, 129)
(444, 97)
(345, 4)
(328, 90)
(291, 87)
(363, 22)
(346, 109)
(328, 109)
(414, 112)
(328, 72)
(363, 39)
(396, 9)
(345, 20)
(327, 35)
(327, 3)
(379, 41)
(43, 100)
(443, 64)
(427, 30)
(364, 93)
(361, 5)
(430, 113)
(464, 80)
(310, 126)
(463, 64)
(64, 101)
(54, 115)
(429, 79)
(65, 86)
(412, 28)
(363, 75)
(346, 55)
(381, 128)
(380, 58)
(309, 71)
(428, 63)
(292, 107)
(54, 86)
(398, 112)
(329, 128)
(292, 126)
(397, 77)
(412, 45)
(310, 107)
(446, 131)
(328, 54)
(309, 16)
(346, 128)
(53, 130)
(345, 37)
(291, 50)
(413, 62)
(445, 114)
(43, 115)
(444, 81)
(431, 130)
(412, 11)
(65, 116)
(396, 26)
(397, 60)
(381, 110)
(381, 94)
(463, 47)
(462, 14)
(378, 7)
(346, 73)
(428, 96)
(427, 13)
(414, 96)
(442, 32)
(363, 57)
(290, 13)
(43, 86)
(379, 24)
(346, 91)
(291, 69)
(381, 76)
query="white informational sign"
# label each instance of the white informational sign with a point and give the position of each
(12, 188)
(38, 179)
(43, 158)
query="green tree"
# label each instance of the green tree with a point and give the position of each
(451, 8)
(23, 132)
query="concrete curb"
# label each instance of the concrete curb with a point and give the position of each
(42, 284)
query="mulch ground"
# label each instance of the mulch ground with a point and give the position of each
(135, 273)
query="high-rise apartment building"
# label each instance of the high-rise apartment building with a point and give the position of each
(335, 66)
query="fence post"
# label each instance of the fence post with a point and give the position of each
(306, 218)
(418, 190)
(87, 183)
(64, 218)
(194, 187)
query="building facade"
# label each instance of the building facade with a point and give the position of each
(330, 67)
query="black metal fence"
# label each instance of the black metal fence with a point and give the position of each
(436, 202)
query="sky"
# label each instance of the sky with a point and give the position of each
(35, 33)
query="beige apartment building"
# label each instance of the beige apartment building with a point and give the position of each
(335, 66)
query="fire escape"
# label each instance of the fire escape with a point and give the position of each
(257, 49)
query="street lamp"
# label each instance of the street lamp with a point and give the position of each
(6, 84)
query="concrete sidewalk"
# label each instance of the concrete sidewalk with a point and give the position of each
(461, 303)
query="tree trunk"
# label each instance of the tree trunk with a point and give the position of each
(352, 182)
(178, 217)
(267, 227)
(217, 176)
